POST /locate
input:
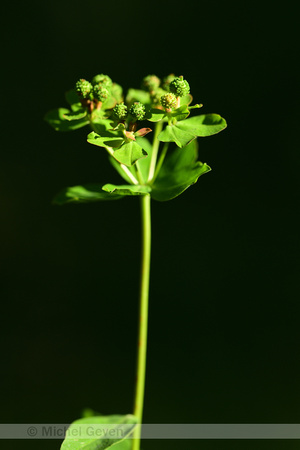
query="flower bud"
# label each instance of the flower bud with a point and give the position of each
(120, 111)
(179, 87)
(156, 95)
(167, 80)
(150, 83)
(137, 111)
(83, 88)
(102, 80)
(100, 93)
(168, 101)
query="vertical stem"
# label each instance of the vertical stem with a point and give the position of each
(161, 160)
(155, 147)
(143, 317)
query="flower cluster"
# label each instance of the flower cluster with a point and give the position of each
(94, 92)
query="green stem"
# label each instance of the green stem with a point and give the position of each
(143, 317)
(155, 147)
(161, 160)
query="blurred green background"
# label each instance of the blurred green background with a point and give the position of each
(224, 337)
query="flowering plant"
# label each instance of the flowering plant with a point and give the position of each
(160, 169)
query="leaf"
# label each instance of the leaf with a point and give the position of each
(57, 120)
(181, 113)
(186, 99)
(182, 133)
(127, 189)
(73, 99)
(83, 194)
(204, 125)
(143, 164)
(172, 133)
(103, 126)
(155, 115)
(137, 95)
(76, 115)
(129, 153)
(100, 433)
(179, 171)
(104, 141)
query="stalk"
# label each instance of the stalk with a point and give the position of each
(143, 318)
(155, 147)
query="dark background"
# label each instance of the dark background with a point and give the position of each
(224, 338)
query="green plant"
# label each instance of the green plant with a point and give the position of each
(149, 172)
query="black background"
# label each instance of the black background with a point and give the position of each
(224, 338)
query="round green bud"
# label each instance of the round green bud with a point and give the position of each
(102, 80)
(167, 80)
(120, 111)
(100, 93)
(169, 101)
(83, 88)
(150, 83)
(138, 111)
(179, 87)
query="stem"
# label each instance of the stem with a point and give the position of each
(158, 128)
(161, 160)
(143, 317)
(123, 167)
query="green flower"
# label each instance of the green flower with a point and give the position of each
(137, 111)
(83, 88)
(150, 83)
(179, 87)
(168, 101)
(102, 80)
(100, 93)
(120, 111)
(167, 80)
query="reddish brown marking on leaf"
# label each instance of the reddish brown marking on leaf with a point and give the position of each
(130, 135)
(143, 131)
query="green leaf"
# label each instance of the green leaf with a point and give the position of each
(76, 115)
(186, 99)
(103, 127)
(83, 194)
(138, 95)
(155, 115)
(143, 164)
(182, 133)
(127, 189)
(129, 153)
(114, 98)
(100, 433)
(179, 171)
(73, 99)
(104, 141)
(172, 133)
(181, 113)
(203, 125)
(57, 120)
